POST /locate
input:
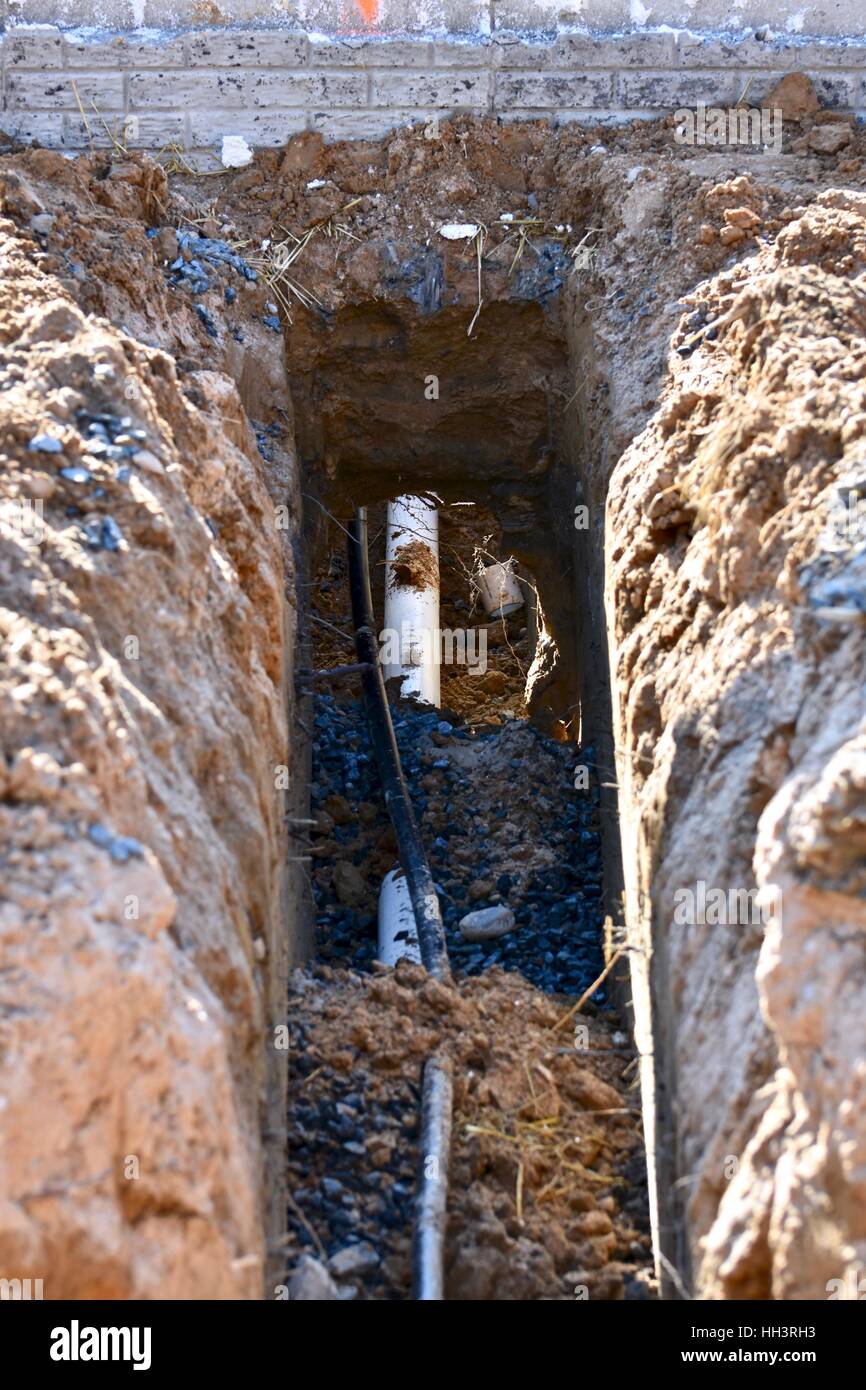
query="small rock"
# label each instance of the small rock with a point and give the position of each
(146, 459)
(829, 139)
(339, 809)
(589, 1090)
(486, 923)
(742, 217)
(42, 223)
(40, 486)
(349, 884)
(102, 533)
(481, 888)
(45, 444)
(794, 96)
(379, 1152)
(354, 1259)
(458, 231)
(729, 236)
(167, 244)
(235, 153)
(207, 320)
(312, 1282)
(120, 847)
(493, 683)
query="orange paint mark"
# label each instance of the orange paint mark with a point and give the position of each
(369, 10)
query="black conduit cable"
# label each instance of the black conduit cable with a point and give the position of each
(422, 891)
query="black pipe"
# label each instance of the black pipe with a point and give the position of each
(425, 903)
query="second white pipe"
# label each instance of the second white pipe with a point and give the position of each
(412, 609)
(398, 935)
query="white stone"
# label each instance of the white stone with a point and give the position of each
(146, 459)
(486, 923)
(236, 153)
(458, 231)
(311, 1282)
(354, 1259)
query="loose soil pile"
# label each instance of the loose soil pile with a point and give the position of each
(547, 1196)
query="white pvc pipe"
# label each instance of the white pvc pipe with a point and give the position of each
(398, 937)
(499, 589)
(410, 650)
(411, 638)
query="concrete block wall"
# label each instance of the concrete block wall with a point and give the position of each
(73, 88)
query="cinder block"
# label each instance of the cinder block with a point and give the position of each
(153, 130)
(47, 128)
(703, 51)
(586, 51)
(308, 88)
(367, 125)
(36, 46)
(370, 52)
(668, 91)
(463, 53)
(182, 91)
(124, 51)
(48, 91)
(549, 90)
(248, 48)
(839, 90)
(149, 132)
(844, 53)
(791, 55)
(445, 90)
(264, 128)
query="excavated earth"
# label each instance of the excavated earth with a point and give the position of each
(673, 336)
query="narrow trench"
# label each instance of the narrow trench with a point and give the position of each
(548, 1182)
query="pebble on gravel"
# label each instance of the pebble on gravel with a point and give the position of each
(486, 923)
(311, 1282)
(120, 847)
(45, 444)
(354, 1259)
(146, 459)
(349, 884)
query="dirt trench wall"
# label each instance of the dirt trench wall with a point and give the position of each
(738, 663)
(144, 688)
